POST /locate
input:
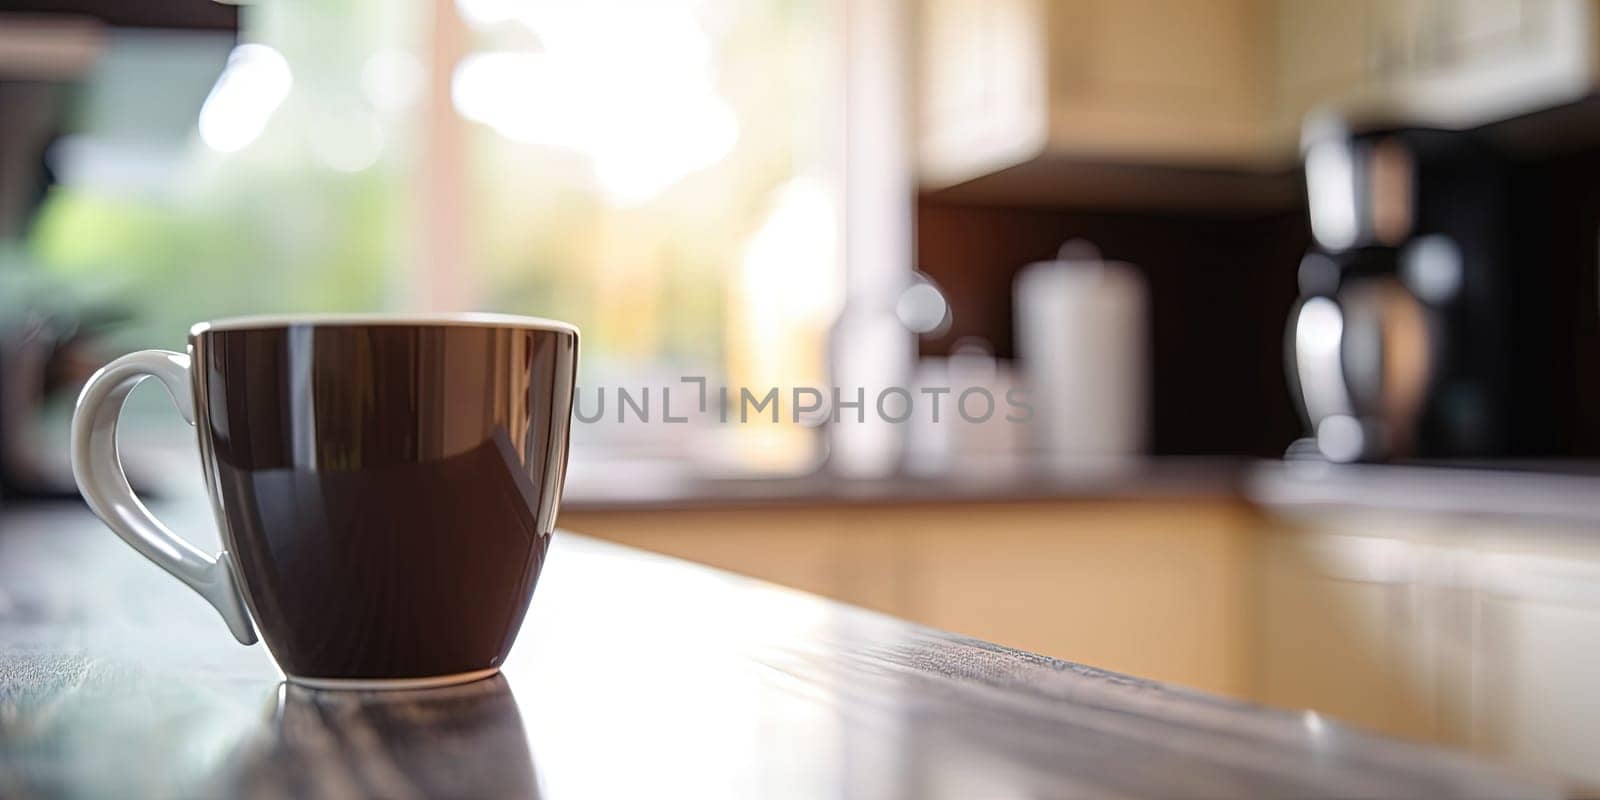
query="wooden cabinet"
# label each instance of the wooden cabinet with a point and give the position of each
(1478, 635)
(1341, 626)
(1464, 63)
(1536, 629)
(1158, 79)
(982, 107)
(1159, 589)
(1007, 82)
(1324, 50)
(1019, 85)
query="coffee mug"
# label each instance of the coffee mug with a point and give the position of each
(386, 486)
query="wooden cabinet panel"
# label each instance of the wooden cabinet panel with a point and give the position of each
(1160, 81)
(1461, 64)
(1536, 627)
(1323, 51)
(1156, 589)
(1156, 593)
(1207, 55)
(982, 103)
(1467, 634)
(1537, 699)
(1340, 632)
(1223, 84)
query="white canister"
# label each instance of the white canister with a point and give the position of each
(965, 419)
(1081, 339)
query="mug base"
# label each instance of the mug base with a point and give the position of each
(392, 684)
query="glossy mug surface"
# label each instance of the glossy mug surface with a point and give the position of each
(386, 486)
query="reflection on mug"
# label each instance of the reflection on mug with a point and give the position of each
(459, 741)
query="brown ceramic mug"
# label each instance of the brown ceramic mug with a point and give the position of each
(386, 486)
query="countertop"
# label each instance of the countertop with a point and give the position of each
(1553, 491)
(1556, 492)
(636, 675)
(612, 483)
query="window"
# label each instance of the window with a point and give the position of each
(661, 172)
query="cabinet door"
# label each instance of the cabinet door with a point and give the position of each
(1484, 30)
(1163, 81)
(1470, 62)
(981, 75)
(1167, 54)
(1323, 54)
(1151, 588)
(1535, 695)
(1344, 631)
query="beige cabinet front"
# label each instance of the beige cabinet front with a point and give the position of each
(1223, 84)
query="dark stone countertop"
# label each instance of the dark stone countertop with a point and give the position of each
(635, 676)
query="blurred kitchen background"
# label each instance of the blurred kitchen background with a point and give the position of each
(1302, 295)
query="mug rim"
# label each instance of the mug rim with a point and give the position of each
(477, 319)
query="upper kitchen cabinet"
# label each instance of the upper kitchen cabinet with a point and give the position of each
(1463, 63)
(1004, 82)
(983, 101)
(1162, 80)
(1038, 96)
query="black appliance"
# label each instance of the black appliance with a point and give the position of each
(1434, 320)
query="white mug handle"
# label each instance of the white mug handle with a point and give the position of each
(98, 470)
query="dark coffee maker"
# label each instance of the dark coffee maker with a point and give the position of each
(1427, 322)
